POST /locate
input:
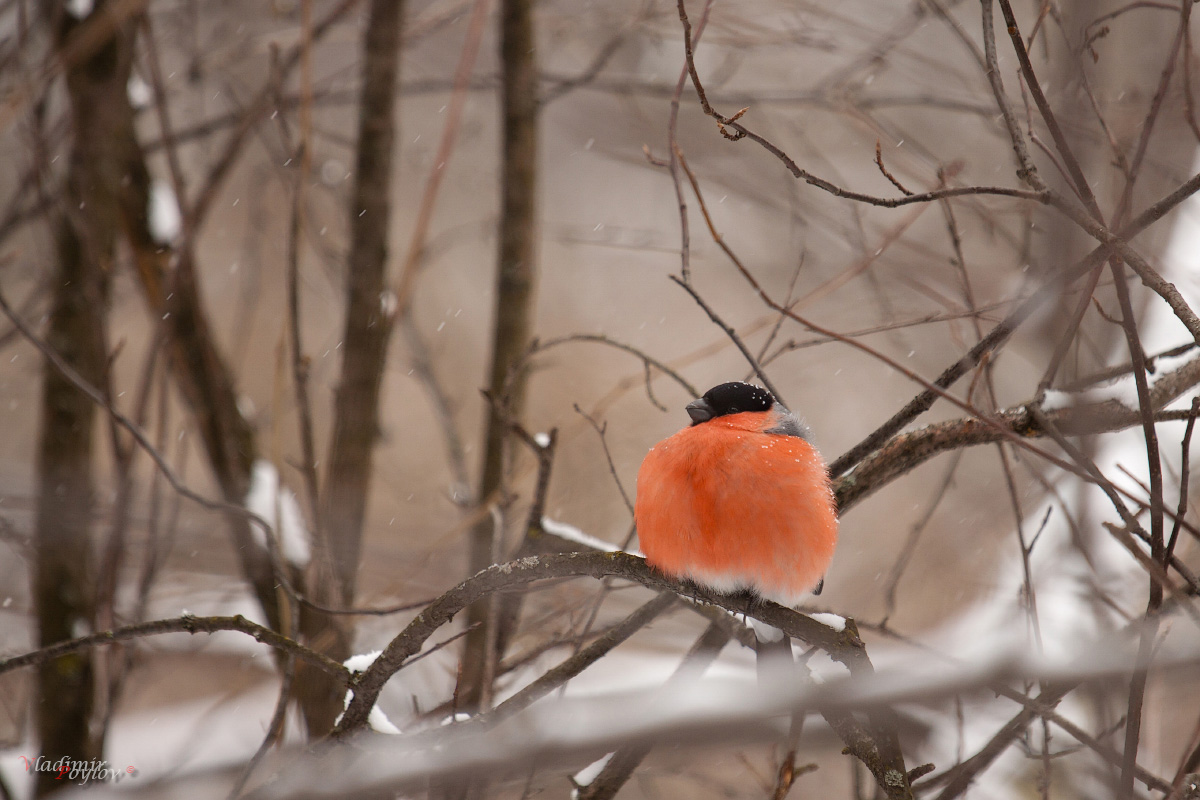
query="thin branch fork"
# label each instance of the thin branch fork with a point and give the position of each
(648, 361)
(740, 131)
(1092, 220)
(625, 760)
(555, 677)
(908, 450)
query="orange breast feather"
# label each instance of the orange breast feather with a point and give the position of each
(733, 508)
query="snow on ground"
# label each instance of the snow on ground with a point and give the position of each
(173, 740)
(193, 736)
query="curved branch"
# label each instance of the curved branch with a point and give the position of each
(742, 132)
(185, 624)
(599, 338)
(843, 646)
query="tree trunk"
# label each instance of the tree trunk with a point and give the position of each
(364, 352)
(64, 583)
(364, 343)
(515, 284)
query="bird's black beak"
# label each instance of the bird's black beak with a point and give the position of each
(700, 411)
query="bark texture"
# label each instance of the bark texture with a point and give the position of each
(367, 326)
(85, 233)
(367, 329)
(514, 310)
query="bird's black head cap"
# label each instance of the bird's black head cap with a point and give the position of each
(729, 398)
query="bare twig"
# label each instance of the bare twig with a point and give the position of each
(740, 131)
(910, 545)
(685, 281)
(733, 336)
(556, 676)
(184, 624)
(1184, 476)
(406, 283)
(601, 429)
(647, 360)
(296, 228)
(274, 729)
(442, 405)
(685, 247)
(252, 114)
(960, 777)
(891, 178)
(592, 70)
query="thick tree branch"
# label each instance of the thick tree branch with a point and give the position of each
(905, 451)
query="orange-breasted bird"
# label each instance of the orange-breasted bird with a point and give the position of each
(740, 500)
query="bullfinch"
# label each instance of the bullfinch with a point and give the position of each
(739, 501)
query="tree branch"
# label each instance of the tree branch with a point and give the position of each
(184, 624)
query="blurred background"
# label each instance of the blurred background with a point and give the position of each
(385, 229)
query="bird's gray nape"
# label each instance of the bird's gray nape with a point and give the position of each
(790, 426)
